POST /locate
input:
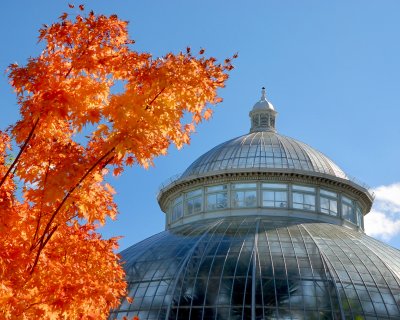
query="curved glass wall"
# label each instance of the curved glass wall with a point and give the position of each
(265, 195)
(261, 268)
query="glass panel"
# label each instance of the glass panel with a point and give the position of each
(348, 212)
(328, 193)
(244, 186)
(177, 212)
(281, 196)
(297, 198)
(217, 201)
(360, 217)
(217, 188)
(274, 186)
(268, 196)
(324, 205)
(347, 200)
(303, 201)
(309, 202)
(245, 199)
(193, 205)
(303, 188)
(194, 193)
(328, 206)
(277, 199)
(177, 200)
(333, 207)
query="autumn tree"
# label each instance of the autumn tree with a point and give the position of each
(53, 262)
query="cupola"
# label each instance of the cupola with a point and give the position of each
(263, 115)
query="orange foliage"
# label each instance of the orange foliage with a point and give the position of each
(53, 262)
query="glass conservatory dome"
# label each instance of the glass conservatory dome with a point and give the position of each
(262, 227)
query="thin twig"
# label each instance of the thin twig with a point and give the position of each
(154, 99)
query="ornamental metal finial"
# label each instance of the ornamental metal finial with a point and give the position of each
(263, 95)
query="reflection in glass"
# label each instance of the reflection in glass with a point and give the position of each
(245, 199)
(177, 209)
(360, 217)
(297, 269)
(217, 188)
(277, 199)
(244, 186)
(194, 201)
(348, 211)
(329, 206)
(217, 201)
(193, 205)
(303, 201)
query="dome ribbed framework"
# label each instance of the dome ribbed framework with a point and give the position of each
(272, 269)
(263, 151)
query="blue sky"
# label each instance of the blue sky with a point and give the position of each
(331, 69)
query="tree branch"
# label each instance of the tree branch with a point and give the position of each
(47, 233)
(20, 152)
(154, 99)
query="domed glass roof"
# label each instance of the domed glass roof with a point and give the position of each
(263, 150)
(261, 268)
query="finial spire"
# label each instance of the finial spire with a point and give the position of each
(263, 115)
(263, 95)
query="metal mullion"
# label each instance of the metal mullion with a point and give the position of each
(253, 275)
(262, 148)
(199, 265)
(314, 165)
(323, 263)
(247, 276)
(236, 153)
(387, 284)
(234, 276)
(298, 156)
(259, 268)
(273, 272)
(286, 270)
(324, 257)
(248, 151)
(211, 156)
(226, 257)
(151, 280)
(297, 261)
(366, 287)
(212, 263)
(184, 262)
(318, 201)
(187, 236)
(287, 153)
(272, 151)
(351, 280)
(395, 273)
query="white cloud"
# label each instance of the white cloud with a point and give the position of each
(384, 219)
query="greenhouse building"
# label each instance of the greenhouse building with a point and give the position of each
(262, 226)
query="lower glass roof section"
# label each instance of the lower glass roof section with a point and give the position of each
(259, 268)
